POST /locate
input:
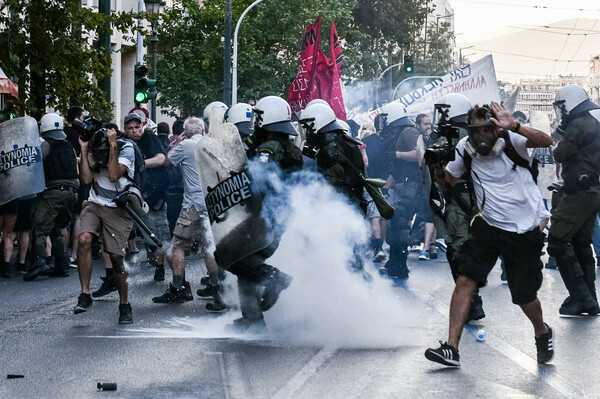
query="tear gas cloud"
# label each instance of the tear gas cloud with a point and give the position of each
(327, 303)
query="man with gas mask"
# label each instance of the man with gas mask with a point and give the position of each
(509, 223)
(338, 158)
(406, 194)
(260, 284)
(110, 167)
(54, 206)
(573, 218)
(460, 201)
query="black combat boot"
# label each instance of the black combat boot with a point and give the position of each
(580, 300)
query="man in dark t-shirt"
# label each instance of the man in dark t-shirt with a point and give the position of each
(155, 188)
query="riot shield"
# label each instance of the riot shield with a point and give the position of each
(21, 167)
(234, 209)
(216, 119)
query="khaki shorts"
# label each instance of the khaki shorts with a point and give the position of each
(191, 227)
(111, 224)
(158, 224)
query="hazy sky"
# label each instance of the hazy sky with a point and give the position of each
(480, 20)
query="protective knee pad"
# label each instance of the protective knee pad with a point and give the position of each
(556, 248)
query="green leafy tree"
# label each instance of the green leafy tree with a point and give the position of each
(190, 65)
(47, 47)
(434, 50)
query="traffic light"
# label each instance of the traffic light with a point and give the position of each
(9, 112)
(144, 88)
(409, 65)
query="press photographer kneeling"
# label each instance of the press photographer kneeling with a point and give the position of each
(110, 167)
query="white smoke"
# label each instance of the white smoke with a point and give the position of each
(326, 304)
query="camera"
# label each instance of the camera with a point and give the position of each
(88, 128)
(443, 152)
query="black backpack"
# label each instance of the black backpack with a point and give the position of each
(512, 154)
(139, 176)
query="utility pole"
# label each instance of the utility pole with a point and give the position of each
(227, 56)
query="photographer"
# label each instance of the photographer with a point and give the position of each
(511, 213)
(110, 174)
(460, 201)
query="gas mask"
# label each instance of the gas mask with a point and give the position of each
(483, 139)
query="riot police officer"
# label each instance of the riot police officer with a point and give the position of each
(572, 222)
(338, 158)
(54, 206)
(407, 194)
(260, 284)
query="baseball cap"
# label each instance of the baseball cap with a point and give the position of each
(133, 116)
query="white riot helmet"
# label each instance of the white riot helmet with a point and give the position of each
(51, 126)
(570, 97)
(241, 116)
(274, 114)
(453, 107)
(320, 118)
(209, 107)
(396, 115)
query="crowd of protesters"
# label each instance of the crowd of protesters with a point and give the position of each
(460, 204)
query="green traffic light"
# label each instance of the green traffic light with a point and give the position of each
(140, 97)
(408, 69)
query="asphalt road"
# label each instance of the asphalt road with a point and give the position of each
(338, 338)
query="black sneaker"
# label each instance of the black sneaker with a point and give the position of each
(172, 295)
(125, 314)
(41, 269)
(211, 290)
(445, 354)
(545, 346)
(379, 255)
(159, 273)
(58, 273)
(216, 306)
(276, 282)
(108, 286)
(84, 302)
(187, 295)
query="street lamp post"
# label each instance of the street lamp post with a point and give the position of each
(379, 80)
(154, 7)
(235, 52)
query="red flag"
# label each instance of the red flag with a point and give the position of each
(318, 76)
(298, 93)
(335, 98)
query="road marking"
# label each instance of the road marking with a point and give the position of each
(304, 374)
(557, 382)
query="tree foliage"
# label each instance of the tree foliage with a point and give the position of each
(48, 48)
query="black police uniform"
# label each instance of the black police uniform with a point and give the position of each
(259, 284)
(574, 216)
(53, 207)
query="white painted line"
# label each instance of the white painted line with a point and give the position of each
(557, 382)
(235, 378)
(304, 374)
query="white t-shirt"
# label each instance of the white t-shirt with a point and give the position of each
(513, 201)
(127, 158)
